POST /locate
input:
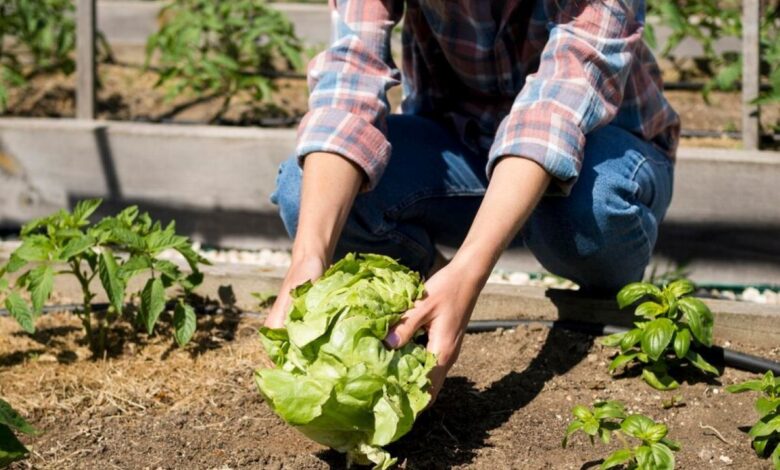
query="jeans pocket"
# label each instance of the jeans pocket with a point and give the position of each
(655, 182)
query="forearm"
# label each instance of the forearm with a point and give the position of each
(330, 184)
(516, 186)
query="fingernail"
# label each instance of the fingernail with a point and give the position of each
(392, 339)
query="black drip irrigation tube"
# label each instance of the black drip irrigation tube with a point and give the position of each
(715, 354)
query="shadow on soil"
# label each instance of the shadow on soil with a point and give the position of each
(460, 423)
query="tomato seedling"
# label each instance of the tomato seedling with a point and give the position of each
(766, 431)
(66, 243)
(11, 449)
(608, 418)
(670, 326)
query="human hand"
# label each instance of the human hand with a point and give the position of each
(299, 272)
(444, 312)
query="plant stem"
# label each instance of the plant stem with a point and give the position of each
(86, 315)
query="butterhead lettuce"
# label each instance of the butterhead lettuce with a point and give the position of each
(334, 379)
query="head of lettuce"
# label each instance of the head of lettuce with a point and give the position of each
(334, 379)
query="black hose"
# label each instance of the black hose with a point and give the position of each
(715, 354)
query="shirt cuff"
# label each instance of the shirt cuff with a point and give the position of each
(346, 134)
(546, 137)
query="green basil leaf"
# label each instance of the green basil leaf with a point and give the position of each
(656, 337)
(699, 362)
(682, 342)
(658, 380)
(616, 458)
(634, 292)
(681, 287)
(699, 319)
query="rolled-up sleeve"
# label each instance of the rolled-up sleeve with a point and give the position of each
(577, 88)
(348, 85)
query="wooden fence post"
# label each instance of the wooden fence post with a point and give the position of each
(751, 76)
(85, 60)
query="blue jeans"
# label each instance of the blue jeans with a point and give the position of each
(601, 236)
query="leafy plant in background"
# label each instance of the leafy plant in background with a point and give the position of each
(671, 324)
(332, 377)
(707, 21)
(607, 419)
(36, 37)
(11, 449)
(66, 243)
(222, 48)
(766, 431)
(41, 31)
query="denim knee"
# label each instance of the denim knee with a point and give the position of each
(287, 195)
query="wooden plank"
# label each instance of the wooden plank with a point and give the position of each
(751, 77)
(85, 60)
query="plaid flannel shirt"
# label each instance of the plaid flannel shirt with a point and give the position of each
(529, 78)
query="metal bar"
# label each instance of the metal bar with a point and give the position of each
(751, 77)
(85, 60)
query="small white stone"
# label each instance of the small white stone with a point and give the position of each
(558, 417)
(519, 278)
(726, 459)
(751, 294)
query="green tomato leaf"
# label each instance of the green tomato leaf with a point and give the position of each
(184, 323)
(112, 282)
(84, 209)
(11, 449)
(152, 303)
(656, 337)
(776, 456)
(634, 292)
(682, 342)
(590, 426)
(9, 417)
(21, 312)
(41, 284)
(75, 247)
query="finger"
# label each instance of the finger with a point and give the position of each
(278, 311)
(404, 330)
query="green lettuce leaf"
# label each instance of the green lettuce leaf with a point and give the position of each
(334, 379)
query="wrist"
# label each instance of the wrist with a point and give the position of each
(472, 265)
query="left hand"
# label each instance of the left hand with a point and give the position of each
(444, 312)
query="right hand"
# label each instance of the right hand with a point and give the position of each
(298, 273)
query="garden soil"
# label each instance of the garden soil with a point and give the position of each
(128, 93)
(150, 405)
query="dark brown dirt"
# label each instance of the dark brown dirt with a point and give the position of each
(505, 405)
